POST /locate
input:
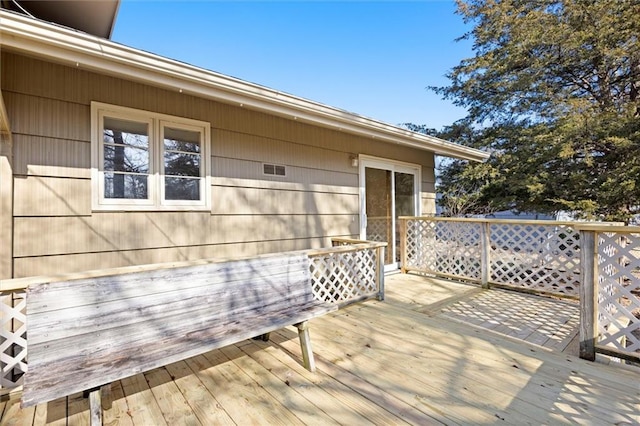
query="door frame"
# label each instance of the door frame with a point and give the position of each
(393, 166)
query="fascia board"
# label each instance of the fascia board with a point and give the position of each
(4, 118)
(104, 56)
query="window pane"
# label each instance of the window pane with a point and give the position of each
(176, 188)
(126, 149)
(181, 164)
(124, 132)
(122, 158)
(181, 140)
(118, 185)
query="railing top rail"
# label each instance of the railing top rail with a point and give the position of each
(355, 246)
(350, 240)
(600, 227)
(606, 225)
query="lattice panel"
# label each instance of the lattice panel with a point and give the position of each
(451, 248)
(539, 257)
(378, 229)
(619, 291)
(340, 277)
(13, 340)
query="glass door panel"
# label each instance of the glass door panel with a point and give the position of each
(379, 207)
(405, 202)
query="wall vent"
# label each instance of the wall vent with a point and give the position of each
(274, 170)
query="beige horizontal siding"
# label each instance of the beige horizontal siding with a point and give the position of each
(36, 236)
(36, 116)
(428, 204)
(259, 201)
(229, 171)
(428, 174)
(52, 265)
(45, 79)
(250, 147)
(428, 188)
(52, 196)
(290, 186)
(49, 196)
(39, 156)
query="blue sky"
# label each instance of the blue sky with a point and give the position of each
(372, 58)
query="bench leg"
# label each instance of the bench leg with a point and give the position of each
(95, 406)
(305, 344)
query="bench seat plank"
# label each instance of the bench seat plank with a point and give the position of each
(156, 308)
(55, 296)
(64, 359)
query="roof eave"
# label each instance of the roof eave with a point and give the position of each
(5, 129)
(95, 17)
(104, 56)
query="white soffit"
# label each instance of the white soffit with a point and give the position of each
(95, 17)
(66, 46)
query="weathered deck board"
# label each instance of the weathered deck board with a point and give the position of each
(492, 382)
(544, 322)
(77, 410)
(175, 408)
(204, 405)
(429, 382)
(289, 397)
(327, 394)
(115, 410)
(14, 415)
(237, 391)
(393, 362)
(143, 408)
(368, 387)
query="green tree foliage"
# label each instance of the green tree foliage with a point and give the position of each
(553, 93)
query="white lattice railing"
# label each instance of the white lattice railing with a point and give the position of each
(610, 292)
(535, 256)
(13, 339)
(378, 229)
(452, 249)
(350, 271)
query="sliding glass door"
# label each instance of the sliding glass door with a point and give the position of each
(388, 190)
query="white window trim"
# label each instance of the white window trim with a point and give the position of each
(393, 166)
(155, 188)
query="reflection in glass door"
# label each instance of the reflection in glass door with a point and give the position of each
(405, 202)
(389, 190)
(378, 207)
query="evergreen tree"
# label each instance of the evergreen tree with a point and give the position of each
(553, 93)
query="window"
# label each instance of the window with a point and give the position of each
(147, 161)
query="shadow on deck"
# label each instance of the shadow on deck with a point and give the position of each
(435, 352)
(550, 323)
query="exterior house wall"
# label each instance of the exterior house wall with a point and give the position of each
(56, 231)
(6, 195)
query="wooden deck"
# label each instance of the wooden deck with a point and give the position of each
(435, 352)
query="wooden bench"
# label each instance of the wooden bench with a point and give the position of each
(87, 332)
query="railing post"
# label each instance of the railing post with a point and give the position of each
(380, 272)
(485, 261)
(403, 245)
(588, 295)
